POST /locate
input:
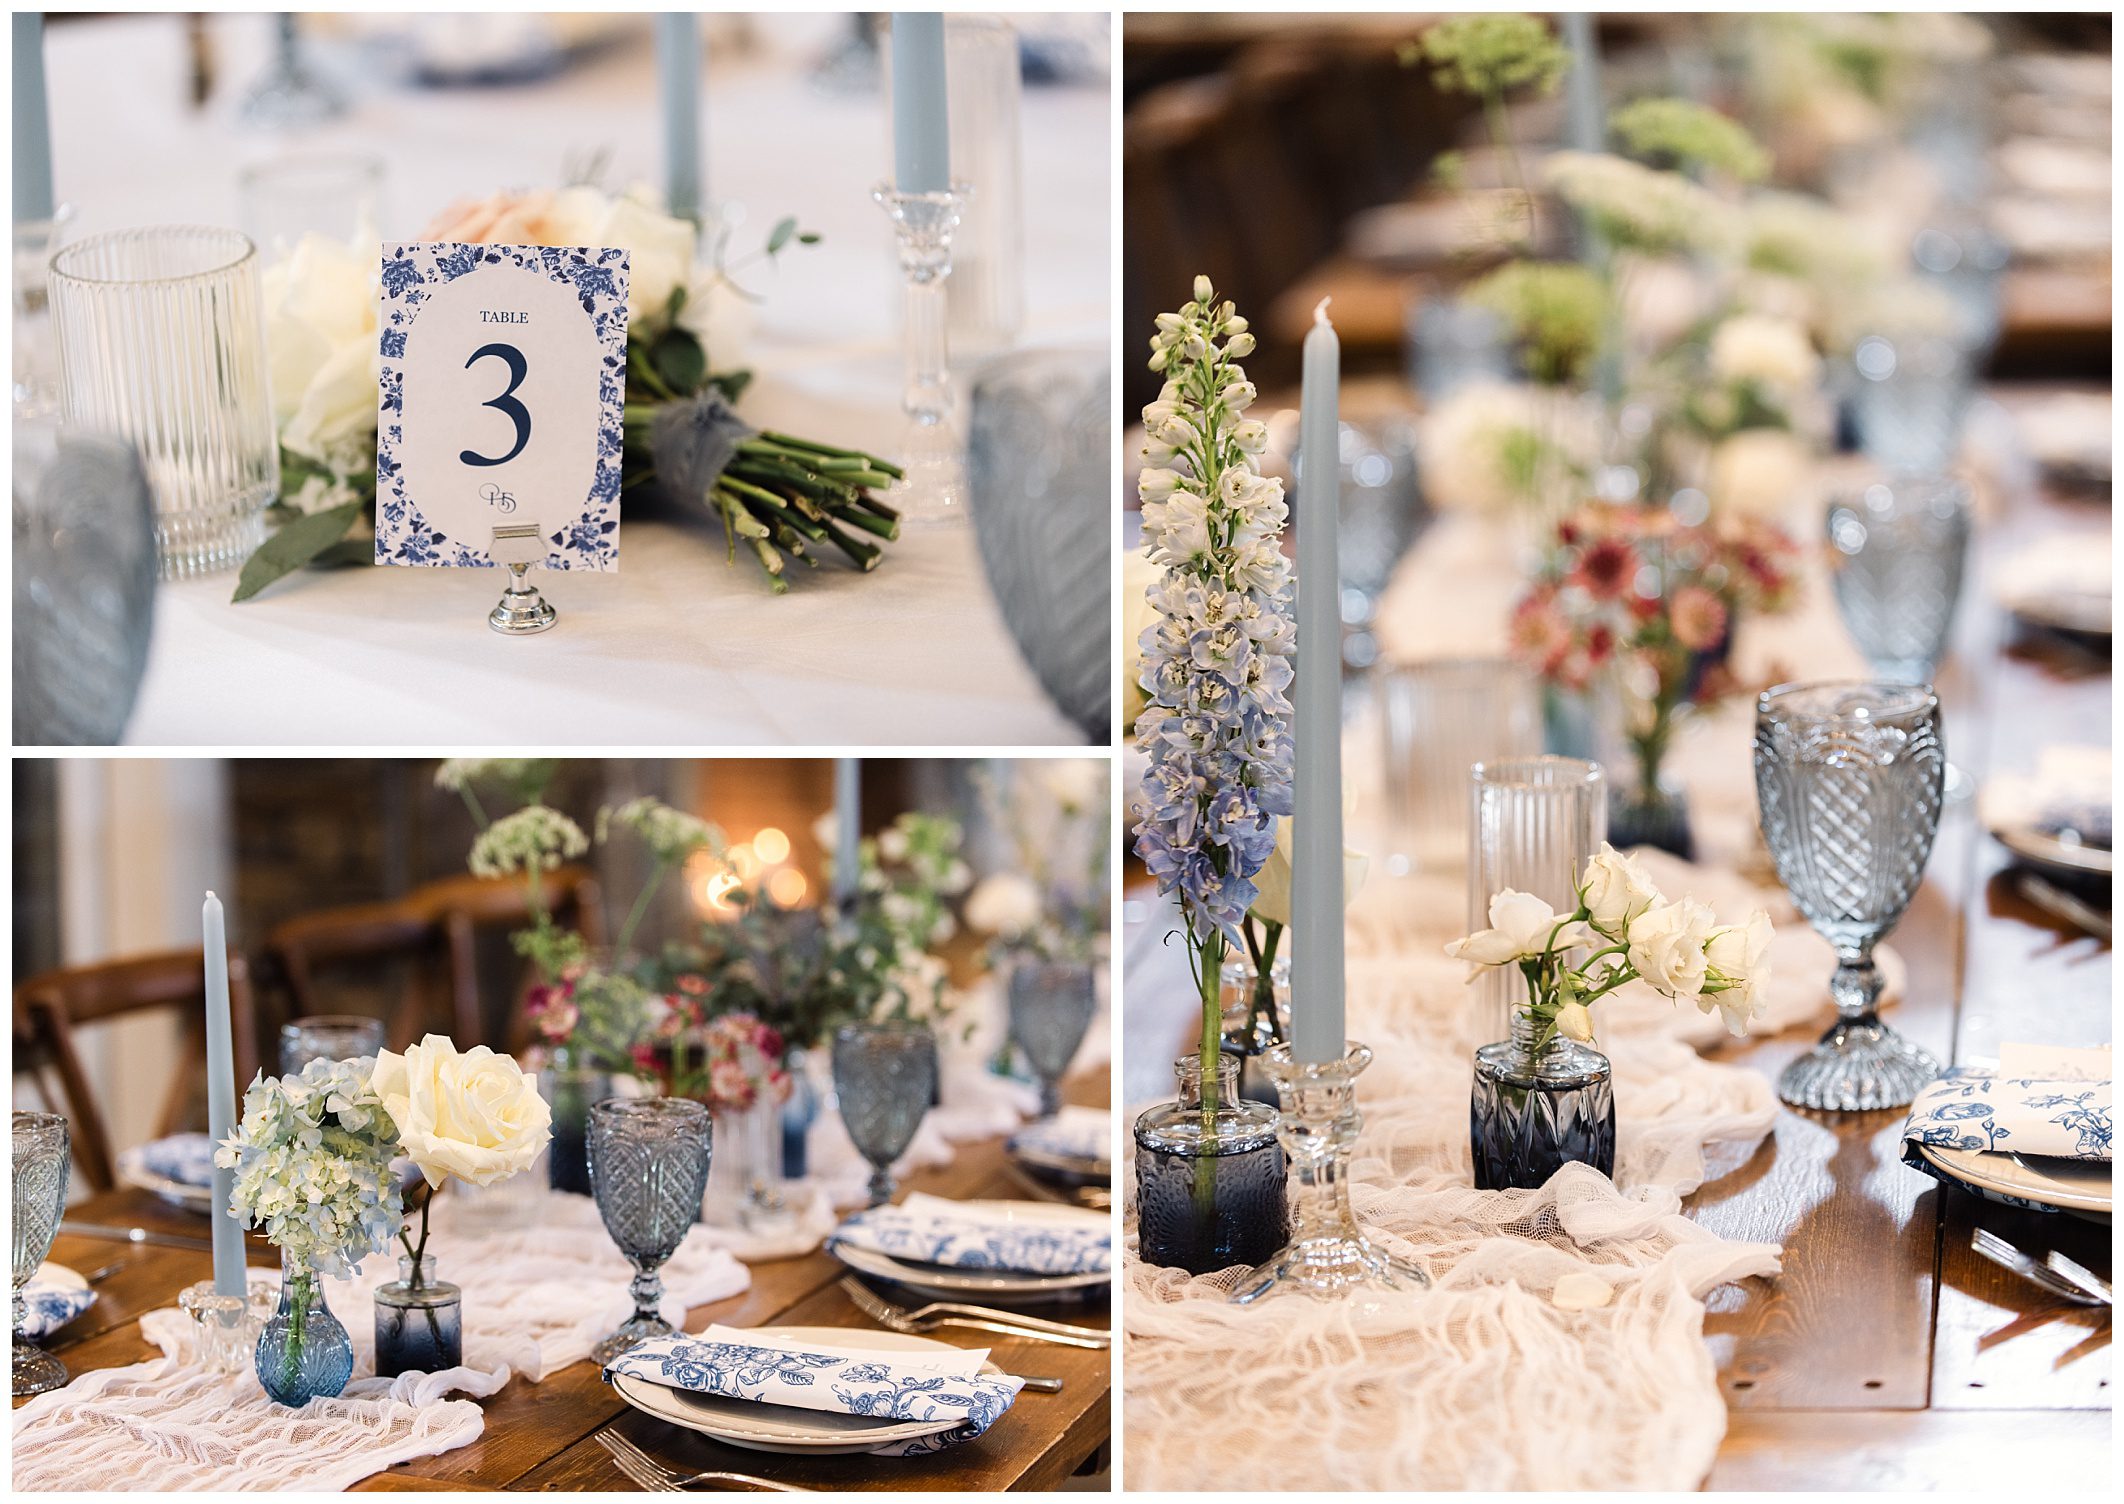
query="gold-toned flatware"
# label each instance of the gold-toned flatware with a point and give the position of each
(974, 1318)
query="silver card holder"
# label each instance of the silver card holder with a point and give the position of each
(521, 610)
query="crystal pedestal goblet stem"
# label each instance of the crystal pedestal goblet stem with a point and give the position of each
(41, 1151)
(648, 1171)
(1850, 777)
(933, 448)
(1328, 1254)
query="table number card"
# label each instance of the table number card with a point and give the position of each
(504, 378)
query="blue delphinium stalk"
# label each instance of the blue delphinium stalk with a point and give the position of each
(1217, 662)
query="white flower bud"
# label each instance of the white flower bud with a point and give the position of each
(1239, 396)
(1235, 324)
(1157, 485)
(1203, 291)
(1194, 347)
(1251, 436)
(1159, 359)
(1240, 346)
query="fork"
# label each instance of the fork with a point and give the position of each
(977, 1318)
(2086, 1279)
(657, 1478)
(1987, 1244)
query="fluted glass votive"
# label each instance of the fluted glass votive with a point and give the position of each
(40, 1154)
(1533, 823)
(1440, 719)
(161, 340)
(1051, 1006)
(1849, 777)
(885, 1077)
(648, 1171)
(1898, 549)
(1909, 400)
(328, 1036)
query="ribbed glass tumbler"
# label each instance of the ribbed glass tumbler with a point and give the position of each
(1899, 547)
(1440, 720)
(1533, 823)
(161, 340)
(1849, 778)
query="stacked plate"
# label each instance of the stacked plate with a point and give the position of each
(991, 1286)
(2059, 818)
(179, 1169)
(1073, 1148)
(2063, 1185)
(761, 1427)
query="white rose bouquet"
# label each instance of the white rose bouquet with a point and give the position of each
(784, 497)
(1629, 932)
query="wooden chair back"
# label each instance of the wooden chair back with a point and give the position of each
(51, 1006)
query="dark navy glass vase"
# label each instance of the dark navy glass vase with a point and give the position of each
(1209, 1186)
(419, 1323)
(1533, 1112)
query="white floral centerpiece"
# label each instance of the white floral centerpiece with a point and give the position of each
(1628, 931)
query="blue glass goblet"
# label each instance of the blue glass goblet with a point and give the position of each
(885, 1076)
(648, 1171)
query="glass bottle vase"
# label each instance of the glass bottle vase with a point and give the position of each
(419, 1322)
(303, 1352)
(1534, 1111)
(1209, 1185)
(569, 1091)
(745, 1173)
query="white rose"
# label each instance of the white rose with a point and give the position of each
(659, 248)
(1738, 954)
(1273, 900)
(1520, 925)
(1076, 783)
(476, 1116)
(1617, 889)
(717, 317)
(1575, 1021)
(1005, 904)
(1766, 350)
(1759, 472)
(1667, 946)
(320, 324)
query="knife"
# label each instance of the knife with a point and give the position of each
(110, 1234)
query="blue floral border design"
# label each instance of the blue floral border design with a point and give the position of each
(410, 272)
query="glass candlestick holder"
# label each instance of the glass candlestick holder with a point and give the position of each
(933, 446)
(227, 1325)
(1328, 1254)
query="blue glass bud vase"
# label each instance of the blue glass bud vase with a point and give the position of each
(419, 1322)
(303, 1352)
(1654, 813)
(1535, 1110)
(1209, 1186)
(798, 1114)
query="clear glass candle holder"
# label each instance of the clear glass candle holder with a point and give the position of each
(1533, 823)
(161, 340)
(1440, 719)
(328, 1036)
(338, 195)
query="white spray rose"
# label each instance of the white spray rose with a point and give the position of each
(1738, 954)
(1575, 1021)
(1759, 472)
(1667, 946)
(1764, 349)
(1005, 904)
(1617, 889)
(476, 1116)
(1520, 925)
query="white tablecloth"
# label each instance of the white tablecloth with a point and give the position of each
(675, 647)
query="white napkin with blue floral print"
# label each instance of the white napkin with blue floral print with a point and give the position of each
(834, 1378)
(1073, 1133)
(187, 1158)
(931, 1230)
(1976, 1107)
(50, 1300)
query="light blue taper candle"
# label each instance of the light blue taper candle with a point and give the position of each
(921, 134)
(847, 829)
(1316, 834)
(1582, 91)
(221, 1100)
(678, 73)
(33, 125)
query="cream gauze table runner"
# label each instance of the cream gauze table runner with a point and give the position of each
(1561, 1346)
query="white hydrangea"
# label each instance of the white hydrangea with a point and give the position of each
(1495, 447)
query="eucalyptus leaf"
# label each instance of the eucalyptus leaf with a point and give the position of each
(779, 237)
(680, 361)
(293, 546)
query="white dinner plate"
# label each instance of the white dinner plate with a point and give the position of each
(2043, 850)
(998, 1286)
(2065, 1185)
(785, 1428)
(133, 1171)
